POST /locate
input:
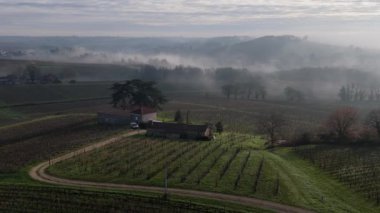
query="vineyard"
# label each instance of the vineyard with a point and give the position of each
(41, 139)
(48, 199)
(357, 167)
(44, 138)
(217, 165)
(233, 164)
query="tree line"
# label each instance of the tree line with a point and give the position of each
(241, 84)
(32, 74)
(343, 125)
(354, 92)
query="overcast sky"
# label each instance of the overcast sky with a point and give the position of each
(336, 21)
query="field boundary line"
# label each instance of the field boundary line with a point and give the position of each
(38, 103)
(38, 173)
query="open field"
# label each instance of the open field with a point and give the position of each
(43, 138)
(234, 164)
(241, 115)
(20, 94)
(24, 102)
(18, 114)
(207, 106)
(356, 166)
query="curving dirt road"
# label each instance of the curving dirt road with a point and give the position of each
(38, 173)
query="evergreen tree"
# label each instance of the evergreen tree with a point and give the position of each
(219, 127)
(178, 117)
(343, 93)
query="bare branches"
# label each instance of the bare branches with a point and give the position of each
(271, 124)
(340, 123)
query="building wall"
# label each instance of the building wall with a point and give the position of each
(149, 117)
(135, 118)
(113, 119)
(185, 135)
(145, 118)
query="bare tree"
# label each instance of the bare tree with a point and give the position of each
(271, 125)
(32, 73)
(373, 120)
(227, 90)
(340, 123)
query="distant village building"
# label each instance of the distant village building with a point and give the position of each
(177, 130)
(125, 117)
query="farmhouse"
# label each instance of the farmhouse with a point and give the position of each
(143, 114)
(125, 117)
(176, 130)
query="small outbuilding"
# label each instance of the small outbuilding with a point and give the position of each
(178, 130)
(125, 117)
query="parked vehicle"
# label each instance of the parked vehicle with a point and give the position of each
(134, 125)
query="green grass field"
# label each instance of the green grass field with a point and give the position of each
(233, 163)
(358, 167)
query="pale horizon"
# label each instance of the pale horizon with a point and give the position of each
(335, 22)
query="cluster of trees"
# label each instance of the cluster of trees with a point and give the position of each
(240, 84)
(178, 73)
(246, 90)
(343, 125)
(353, 92)
(292, 94)
(32, 75)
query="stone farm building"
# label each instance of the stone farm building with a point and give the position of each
(176, 130)
(125, 117)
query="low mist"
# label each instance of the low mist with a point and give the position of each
(318, 70)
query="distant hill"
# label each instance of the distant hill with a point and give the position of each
(269, 53)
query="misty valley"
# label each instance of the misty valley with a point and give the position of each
(181, 124)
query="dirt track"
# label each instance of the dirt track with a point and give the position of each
(38, 173)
